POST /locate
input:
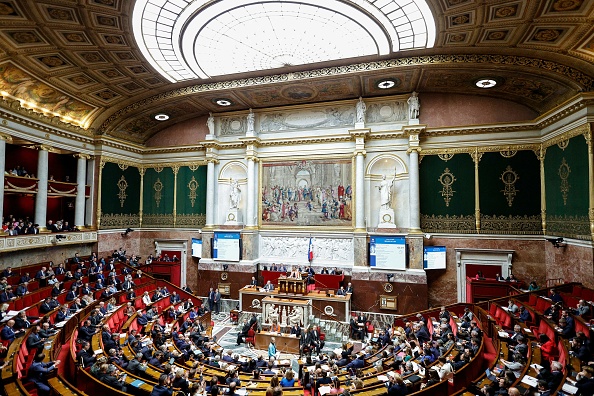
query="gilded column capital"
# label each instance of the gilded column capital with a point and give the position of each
(476, 156)
(359, 152)
(213, 160)
(81, 155)
(44, 147)
(415, 149)
(175, 169)
(252, 158)
(141, 170)
(4, 136)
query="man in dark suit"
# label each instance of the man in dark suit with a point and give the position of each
(217, 301)
(211, 298)
(254, 282)
(8, 333)
(38, 372)
(45, 306)
(269, 286)
(174, 298)
(349, 288)
(34, 341)
(164, 388)
(244, 332)
(72, 295)
(85, 356)
(62, 315)
(141, 318)
(86, 332)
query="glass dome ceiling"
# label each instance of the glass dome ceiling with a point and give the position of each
(189, 39)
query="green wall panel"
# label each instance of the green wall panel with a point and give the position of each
(567, 198)
(191, 197)
(443, 209)
(157, 208)
(510, 193)
(120, 207)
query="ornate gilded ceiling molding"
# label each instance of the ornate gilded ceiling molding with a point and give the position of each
(578, 77)
(480, 149)
(583, 129)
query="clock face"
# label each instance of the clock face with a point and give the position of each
(388, 288)
(224, 276)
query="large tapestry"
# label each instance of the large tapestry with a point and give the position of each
(307, 193)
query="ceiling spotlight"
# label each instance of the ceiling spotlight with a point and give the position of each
(161, 117)
(386, 84)
(486, 83)
(223, 102)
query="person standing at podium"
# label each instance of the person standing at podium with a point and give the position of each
(295, 274)
(272, 348)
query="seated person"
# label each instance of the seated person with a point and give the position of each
(275, 327)
(269, 286)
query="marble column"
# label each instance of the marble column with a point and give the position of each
(413, 188)
(210, 193)
(41, 197)
(360, 191)
(81, 181)
(251, 190)
(3, 139)
(89, 202)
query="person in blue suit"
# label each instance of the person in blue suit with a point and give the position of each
(272, 348)
(37, 373)
(8, 333)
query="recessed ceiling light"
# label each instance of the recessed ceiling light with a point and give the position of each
(223, 102)
(486, 83)
(161, 117)
(386, 84)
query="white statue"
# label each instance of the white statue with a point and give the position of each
(385, 190)
(210, 124)
(413, 106)
(234, 195)
(273, 314)
(361, 109)
(251, 118)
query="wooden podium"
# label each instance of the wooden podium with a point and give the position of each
(292, 286)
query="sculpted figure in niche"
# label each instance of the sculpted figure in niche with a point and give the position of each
(413, 106)
(385, 190)
(361, 109)
(250, 123)
(210, 124)
(234, 195)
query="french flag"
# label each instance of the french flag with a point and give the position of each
(310, 251)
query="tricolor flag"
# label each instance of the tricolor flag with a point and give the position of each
(310, 251)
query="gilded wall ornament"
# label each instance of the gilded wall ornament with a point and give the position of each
(508, 153)
(563, 144)
(158, 187)
(446, 156)
(122, 186)
(193, 186)
(564, 172)
(447, 179)
(509, 179)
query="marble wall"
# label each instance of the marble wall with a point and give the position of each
(529, 263)
(57, 254)
(571, 263)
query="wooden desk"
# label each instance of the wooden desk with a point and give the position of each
(292, 285)
(339, 307)
(284, 342)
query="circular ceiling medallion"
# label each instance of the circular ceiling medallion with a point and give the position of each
(161, 117)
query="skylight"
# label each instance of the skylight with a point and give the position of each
(189, 39)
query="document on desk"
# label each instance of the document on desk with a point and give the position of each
(503, 334)
(383, 378)
(137, 383)
(536, 366)
(324, 390)
(567, 388)
(530, 381)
